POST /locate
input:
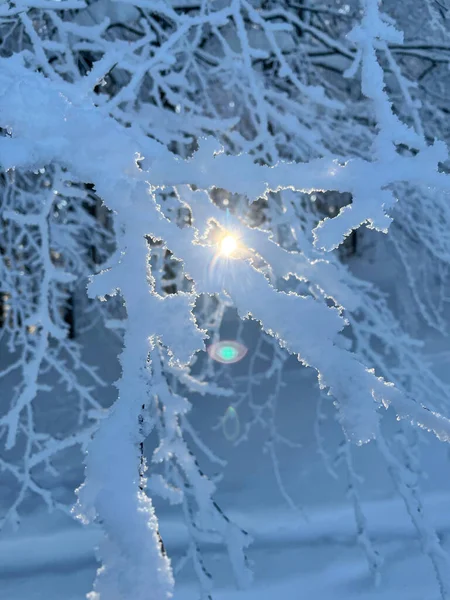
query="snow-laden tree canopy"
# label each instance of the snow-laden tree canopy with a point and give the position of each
(124, 127)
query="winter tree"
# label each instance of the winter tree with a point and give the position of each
(137, 136)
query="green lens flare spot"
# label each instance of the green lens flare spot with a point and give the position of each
(228, 353)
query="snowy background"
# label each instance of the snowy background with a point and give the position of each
(135, 137)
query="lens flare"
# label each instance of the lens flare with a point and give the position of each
(230, 424)
(227, 352)
(228, 245)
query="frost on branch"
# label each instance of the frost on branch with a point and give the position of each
(136, 99)
(46, 224)
(246, 286)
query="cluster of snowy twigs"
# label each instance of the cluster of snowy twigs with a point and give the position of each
(153, 108)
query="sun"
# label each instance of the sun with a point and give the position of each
(228, 245)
